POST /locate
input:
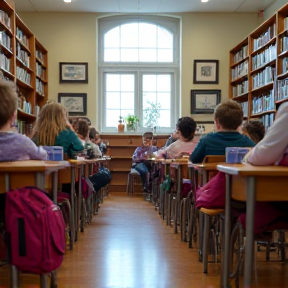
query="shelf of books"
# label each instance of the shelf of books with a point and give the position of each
(23, 60)
(254, 61)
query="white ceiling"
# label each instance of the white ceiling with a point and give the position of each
(142, 6)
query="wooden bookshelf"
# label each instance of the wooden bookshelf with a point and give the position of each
(256, 88)
(23, 60)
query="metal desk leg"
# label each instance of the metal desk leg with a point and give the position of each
(14, 277)
(80, 202)
(249, 249)
(178, 195)
(73, 203)
(54, 186)
(227, 231)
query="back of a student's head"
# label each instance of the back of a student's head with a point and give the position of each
(92, 132)
(8, 99)
(187, 127)
(255, 130)
(83, 128)
(229, 115)
(51, 121)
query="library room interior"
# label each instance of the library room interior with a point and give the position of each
(143, 144)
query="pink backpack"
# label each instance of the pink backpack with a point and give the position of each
(35, 230)
(212, 194)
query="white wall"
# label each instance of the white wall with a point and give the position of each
(72, 37)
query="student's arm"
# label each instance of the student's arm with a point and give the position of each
(135, 154)
(96, 150)
(198, 153)
(33, 151)
(77, 143)
(272, 147)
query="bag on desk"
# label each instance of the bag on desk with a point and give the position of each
(212, 194)
(35, 229)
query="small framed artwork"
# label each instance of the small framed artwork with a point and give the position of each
(74, 72)
(204, 101)
(206, 72)
(75, 103)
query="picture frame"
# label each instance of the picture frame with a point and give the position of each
(75, 103)
(73, 72)
(206, 72)
(204, 101)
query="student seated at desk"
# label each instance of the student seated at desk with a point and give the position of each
(185, 127)
(174, 137)
(142, 153)
(53, 129)
(254, 130)
(228, 116)
(92, 137)
(14, 146)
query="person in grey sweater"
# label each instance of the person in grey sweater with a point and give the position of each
(14, 146)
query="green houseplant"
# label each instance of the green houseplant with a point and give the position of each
(131, 122)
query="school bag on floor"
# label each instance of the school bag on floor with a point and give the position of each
(35, 231)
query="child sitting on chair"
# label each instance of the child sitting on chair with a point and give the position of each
(143, 153)
(14, 146)
(53, 129)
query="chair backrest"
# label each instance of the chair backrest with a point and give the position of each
(214, 158)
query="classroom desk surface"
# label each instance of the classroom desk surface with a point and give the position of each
(249, 183)
(32, 165)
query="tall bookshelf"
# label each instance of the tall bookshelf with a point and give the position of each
(263, 84)
(23, 60)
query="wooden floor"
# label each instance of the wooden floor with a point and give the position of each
(128, 245)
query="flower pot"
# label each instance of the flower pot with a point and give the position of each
(121, 127)
(131, 127)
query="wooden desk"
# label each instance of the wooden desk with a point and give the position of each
(250, 183)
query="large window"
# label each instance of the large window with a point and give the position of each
(138, 69)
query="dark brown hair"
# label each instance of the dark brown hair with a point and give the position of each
(255, 130)
(229, 114)
(187, 127)
(83, 128)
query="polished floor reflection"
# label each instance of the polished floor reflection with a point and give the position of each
(129, 246)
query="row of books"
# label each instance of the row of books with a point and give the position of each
(5, 40)
(240, 88)
(264, 57)
(39, 55)
(39, 87)
(265, 102)
(241, 54)
(282, 89)
(4, 18)
(240, 70)
(286, 23)
(245, 108)
(285, 64)
(22, 37)
(24, 128)
(22, 55)
(4, 62)
(39, 70)
(283, 43)
(262, 78)
(23, 75)
(267, 120)
(265, 37)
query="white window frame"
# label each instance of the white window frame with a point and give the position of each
(172, 24)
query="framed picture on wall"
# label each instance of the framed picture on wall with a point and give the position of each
(204, 101)
(206, 72)
(75, 103)
(73, 72)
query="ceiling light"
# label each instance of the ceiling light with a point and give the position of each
(67, 1)
(201, 0)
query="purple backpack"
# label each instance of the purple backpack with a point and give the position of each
(35, 230)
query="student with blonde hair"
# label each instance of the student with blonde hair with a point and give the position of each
(53, 129)
(14, 146)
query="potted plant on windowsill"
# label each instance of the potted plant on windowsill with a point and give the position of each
(120, 125)
(131, 122)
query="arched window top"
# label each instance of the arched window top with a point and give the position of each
(138, 42)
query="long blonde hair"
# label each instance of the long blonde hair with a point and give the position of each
(51, 121)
